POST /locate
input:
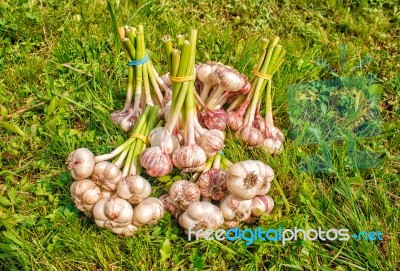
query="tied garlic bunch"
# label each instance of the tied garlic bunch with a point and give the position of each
(224, 193)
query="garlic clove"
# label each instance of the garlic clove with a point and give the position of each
(184, 192)
(81, 163)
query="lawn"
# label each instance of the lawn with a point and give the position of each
(62, 73)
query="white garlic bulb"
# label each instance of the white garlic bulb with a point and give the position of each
(212, 183)
(201, 215)
(106, 175)
(272, 145)
(184, 192)
(85, 193)
(134, 188)
(81, 163)
(247, 178)
(113, 212)
(265, 189)
(156, 137)
(262, 204)
(148, 211)
(237, 209)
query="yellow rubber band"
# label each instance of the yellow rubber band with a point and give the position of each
(141, 137)
(262, 75)
(182, 79)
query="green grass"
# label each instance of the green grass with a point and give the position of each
(41, 230)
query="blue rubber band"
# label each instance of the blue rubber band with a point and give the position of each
(138, 61)
(221, 153)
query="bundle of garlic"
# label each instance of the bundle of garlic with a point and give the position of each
(116, 195)
(196, 103)
(223, 194)
(245, 118)
(141, 76)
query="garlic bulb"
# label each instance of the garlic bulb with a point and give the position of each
(272, 145)
(125, 231)
(81, 163)
(85, 194)
(113, 212)
(247, 178)
(250, 135)
(106, 194)
(237, 209)
(106, 175)
(156, 161)
(189, 158)
(134, 188)
(235, 120)
(201, 215)
(170, 205)
(156, 137)
(215, 119)
(148, 211)
(212, 183)
(262, 204)
(265, 188)
(212, 141)
(184, 192)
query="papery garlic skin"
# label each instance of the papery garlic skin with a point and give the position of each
(85, 193)
(156, 137)
(201, 215)
(244, 179)
(190, 158)
(234, 208)
(262, 204)
(113, 212)
(148, 211)
(134, 188)
(184, 192)
(213, 183)
(265, 188)
(212, 141)
(81, 163)
(125, 231)
(107, 175)
(235, 120)
(156, 161)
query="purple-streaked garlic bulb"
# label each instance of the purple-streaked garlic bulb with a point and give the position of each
(81, 163)
(213, 183)
(184, 192)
